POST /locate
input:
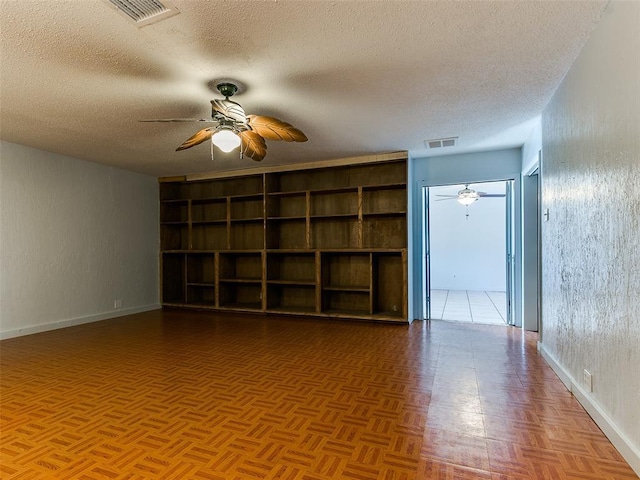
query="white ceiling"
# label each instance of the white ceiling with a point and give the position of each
(358, 77)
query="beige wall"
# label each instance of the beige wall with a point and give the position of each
(75, 237)
(591, 242)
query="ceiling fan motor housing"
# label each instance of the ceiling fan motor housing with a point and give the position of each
(227, 89)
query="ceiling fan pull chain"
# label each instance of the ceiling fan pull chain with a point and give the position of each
(212, 150)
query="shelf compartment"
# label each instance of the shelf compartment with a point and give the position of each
(246, 235)
(174, 236)
(240, 296)
(173, 278)
(341, 202)
(287, 233)
(372, 175)
(201, 268)
(175, 211)
(291, 298)
(237, 186)
(336, 302)
(346, 272)
(388, 298)
(209, 236)
(384, 201)
(293, 205)
(291, 267)
(210, 210)
(201, 295)
(251, 208)
(173, 191)
(240, 267)
(313, 179)
(382, 231)
(335, 232)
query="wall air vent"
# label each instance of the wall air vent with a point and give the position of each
(143, 12)
(441, 142)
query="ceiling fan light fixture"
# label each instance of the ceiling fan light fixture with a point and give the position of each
(226, 139)
(467, 200)
(467, 196)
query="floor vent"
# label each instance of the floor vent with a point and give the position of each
(441, 142)
(143, 12)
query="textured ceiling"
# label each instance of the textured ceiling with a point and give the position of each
(358, 77)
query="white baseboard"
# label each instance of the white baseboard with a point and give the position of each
(19, 332)
(627, 449)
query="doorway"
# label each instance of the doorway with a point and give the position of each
(469, 270)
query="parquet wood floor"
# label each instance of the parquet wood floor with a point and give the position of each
(177, 395)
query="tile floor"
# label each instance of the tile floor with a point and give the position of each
(469, 306)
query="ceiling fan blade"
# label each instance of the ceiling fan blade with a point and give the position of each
(196, 139)
(229, 109)
(253, 145)
(482, 194)
(448, 196)
(443, 199)
(273, 129)
(179, 120)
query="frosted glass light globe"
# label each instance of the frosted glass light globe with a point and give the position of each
(225, 140)
(467, 199)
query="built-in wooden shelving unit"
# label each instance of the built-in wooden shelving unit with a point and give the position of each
(325, 241)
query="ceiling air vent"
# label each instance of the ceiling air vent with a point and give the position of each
(441, 142)
(143, 12)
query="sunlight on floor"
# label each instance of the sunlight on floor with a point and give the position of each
(469, 306)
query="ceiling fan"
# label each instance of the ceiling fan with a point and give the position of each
(467, 196)
(234, 128)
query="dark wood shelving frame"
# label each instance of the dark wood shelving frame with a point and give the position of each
(327, 241)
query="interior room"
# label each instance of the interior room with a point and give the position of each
(212, 245)
(468, 253)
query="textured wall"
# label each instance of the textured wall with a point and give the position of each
(75, 237)
(591, 243)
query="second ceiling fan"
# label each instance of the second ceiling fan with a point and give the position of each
(467, 196)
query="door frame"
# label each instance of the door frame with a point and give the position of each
(510, 247)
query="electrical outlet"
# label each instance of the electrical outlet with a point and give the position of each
(588, 380)
(117, 303)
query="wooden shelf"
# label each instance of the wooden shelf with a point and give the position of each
(323, 241)
(385, 186)
(242, 306)
(204, 201)
(346, 288)
(314, 191)
(342, 312)
(241, 280)
(247, 220)
(285, 219)
(384, 214)
(295, 310)
(296, 283)
(209, 222)
(335, 216)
